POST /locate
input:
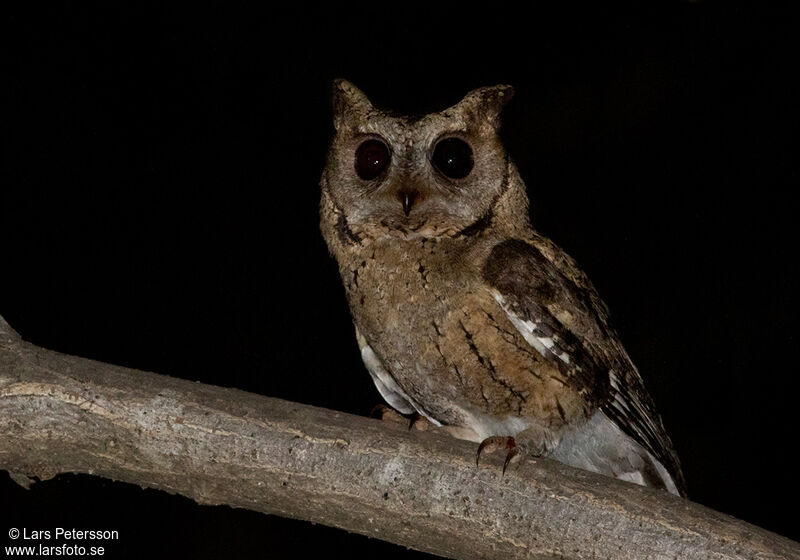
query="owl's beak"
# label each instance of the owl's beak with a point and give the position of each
(407, 198)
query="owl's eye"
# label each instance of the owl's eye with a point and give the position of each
(372, 157)
(453, 158)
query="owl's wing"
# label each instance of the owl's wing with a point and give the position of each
(554, 306)
(391, 392)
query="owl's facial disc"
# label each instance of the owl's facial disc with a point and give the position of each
(451, 157)
(431, 176)
(410, 179)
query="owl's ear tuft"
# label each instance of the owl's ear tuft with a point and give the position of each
(486, 103)
(348, 101)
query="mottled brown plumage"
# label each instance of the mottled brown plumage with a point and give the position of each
(463, 312)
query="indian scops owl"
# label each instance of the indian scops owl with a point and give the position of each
(466, 315)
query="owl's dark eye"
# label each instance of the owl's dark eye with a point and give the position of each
(453, 158)
(372, 157)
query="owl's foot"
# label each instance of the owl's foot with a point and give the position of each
(534, 441)
(387, 414)
(418, 422)
(492, 444)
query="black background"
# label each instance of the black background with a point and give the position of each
(159, 210)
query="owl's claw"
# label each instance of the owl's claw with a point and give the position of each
(493, 443)
(387, 414)
(513, 452)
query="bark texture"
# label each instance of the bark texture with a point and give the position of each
(61, 413)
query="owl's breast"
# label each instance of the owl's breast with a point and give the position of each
(446, 342)
(399, 296)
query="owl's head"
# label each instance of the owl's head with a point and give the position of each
(441, 175)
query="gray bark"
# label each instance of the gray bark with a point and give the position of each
(61, 414)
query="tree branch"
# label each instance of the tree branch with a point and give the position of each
(62, 413)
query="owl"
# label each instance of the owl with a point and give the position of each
(463, 313)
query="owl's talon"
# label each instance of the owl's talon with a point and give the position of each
(491, 444)
(513, 452)
(415, 421)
